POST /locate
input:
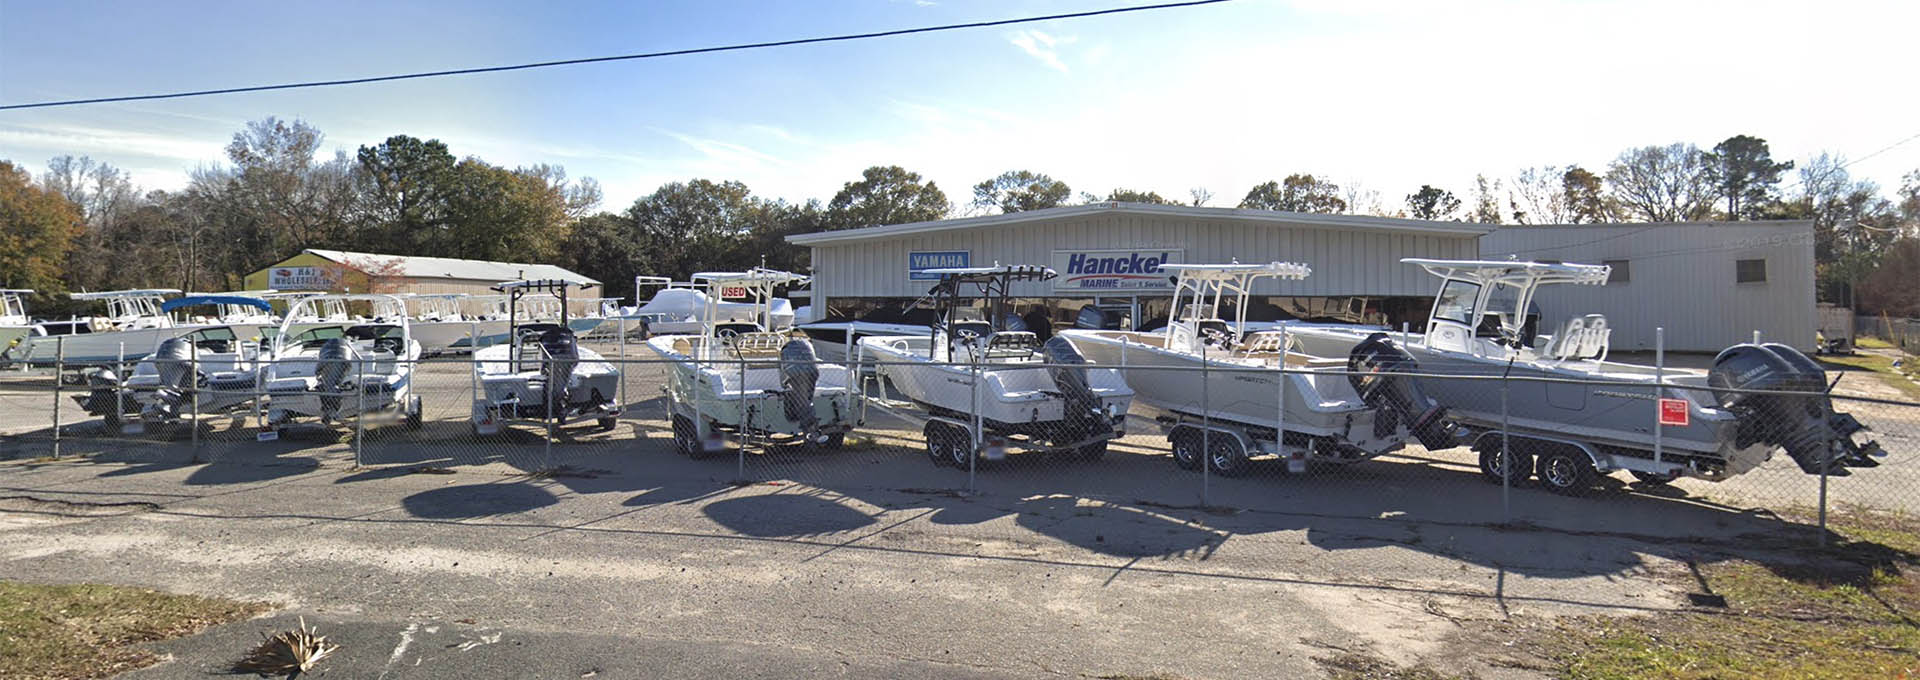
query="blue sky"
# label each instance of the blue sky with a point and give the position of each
(1388, 94)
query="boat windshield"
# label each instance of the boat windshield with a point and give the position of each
(1456, 301)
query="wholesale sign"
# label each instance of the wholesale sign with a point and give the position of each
(1114, 270)
(920, 261)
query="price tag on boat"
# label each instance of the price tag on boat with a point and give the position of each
(1673, 412)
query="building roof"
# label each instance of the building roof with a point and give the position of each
(414, 266)
(1464, 229)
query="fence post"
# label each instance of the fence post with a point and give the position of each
(1506, 456)
(360, 417)
(746, 423)
(1659, 391)
(1280, 423)
(1823, 505)
(978, 439)
(119, 394)
(546, 368)
(193, 383)
(1206, 428)
(59, 367)
(1756, 336)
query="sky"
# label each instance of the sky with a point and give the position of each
(1387, 94)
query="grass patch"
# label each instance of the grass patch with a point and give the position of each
(1871, 342)
(1900, 378)
(1358, 666)
(90, 631)
(1845, 612)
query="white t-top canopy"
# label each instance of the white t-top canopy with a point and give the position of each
(109, 294)
(1034, 270)
(541, 284)
(755, 275)
(1515, 272)
(17, 291)
(1223, 272)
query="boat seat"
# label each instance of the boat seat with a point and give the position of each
(1566, 343)
(1597, 337)
(1011, 344)
(1265, 342)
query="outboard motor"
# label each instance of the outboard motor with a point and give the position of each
(173, 360)
(1817, 437)
(331, 369)
(102, 386)
(1083, 406)
(799, 372)
(1382, 373)
(563, 354)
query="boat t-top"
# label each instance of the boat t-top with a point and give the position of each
(133, 325)
(14, 322)
(542, 374)
(334, 371)
(1223, 397)
(1030, 396)
(207, 369)
(738, 379)
(1575, 415)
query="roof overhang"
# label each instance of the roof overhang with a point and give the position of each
(1268, 217)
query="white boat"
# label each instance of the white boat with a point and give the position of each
(1222, 394)
(1029, 396)
(14, 322)
(736, 379)
(683, 308)
(834, 339)
(439, 323)
(1575, 415)
(240, 312)
(543, 375)
(340, 371)
(207, 370)
(131, 328)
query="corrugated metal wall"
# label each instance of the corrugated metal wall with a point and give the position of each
(1682, 278)
(1357, 261)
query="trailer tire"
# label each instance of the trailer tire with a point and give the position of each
(1566, 471)
(834, 442)
(1185, 443)
(608, 423)
(1651, 479)
(1228, 457)
(937, 439)
(686, 439)
(414, 413)
(1519, 464)
(1091, 452)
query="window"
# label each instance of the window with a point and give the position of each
(1622, 271)
(1456, 301)
(1750, 271)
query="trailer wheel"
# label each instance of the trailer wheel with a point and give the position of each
(1091, 452)
(1567, 471)
(608, 423)
(834, 442)
(1227, 456)
(414, 412)
(1515, 467)
(1651, 479)
(937, 439)
(686, 440)
(1186, 448)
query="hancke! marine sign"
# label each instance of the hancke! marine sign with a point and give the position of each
(1114, 270)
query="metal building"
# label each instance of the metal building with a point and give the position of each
(340, 271)
(1709, 284)
(1106, 254)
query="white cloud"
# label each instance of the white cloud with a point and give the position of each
(1041, 46)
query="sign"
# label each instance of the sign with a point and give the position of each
(1673, 412)
(920, 261)
(1114, 270)
(299, 278)
(733, 292)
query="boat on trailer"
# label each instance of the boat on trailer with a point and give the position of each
(1572, 415)
(342, 371)
(738, 380)
(542, 375)
(133, 325)
(1223, 398)
(985, 385)
(208, 370)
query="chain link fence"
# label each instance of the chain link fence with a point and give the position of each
(1169, 473)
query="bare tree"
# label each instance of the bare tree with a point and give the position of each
(1669, 183)
(1486, 201)
(1539, 196)
(1200, 196)
(1361, 200)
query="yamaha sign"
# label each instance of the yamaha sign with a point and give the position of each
(1113, 270)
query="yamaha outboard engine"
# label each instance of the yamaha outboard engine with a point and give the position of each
(331, 371)
(1083, 406)
(1817, 437)
(173, 360)
(799, 372)
(1383, 375)
(563, 354)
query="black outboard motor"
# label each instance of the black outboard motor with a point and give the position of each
(1083, 406)
(103, 386)
(173, 360)
(563, 354)
(1383, 375)
(1804, 424)
(331, 370)
(799, 372)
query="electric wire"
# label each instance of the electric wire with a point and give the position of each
(620, 57)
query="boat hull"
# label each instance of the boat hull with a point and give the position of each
(747, 396)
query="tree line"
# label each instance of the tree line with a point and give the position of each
(83, 225)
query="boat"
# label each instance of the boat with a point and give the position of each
(211, 369)
(439, 323)
(241, 312)
(338, 371)
(987, 386)
(683, 308)
(1223, 398)
(542, 374)
(14, 322)
(133, 325)
(736, 378)
(1571, 415)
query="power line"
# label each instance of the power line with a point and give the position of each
(622, 57)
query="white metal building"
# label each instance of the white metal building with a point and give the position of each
(1709, 284)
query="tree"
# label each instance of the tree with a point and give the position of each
(1296, 193)
(1486, 201)
(1889, 288)
(1744, 173)
(605, 247)
(693, 226)
(506, 215)
(1540, 196)
(407, 186)
(1669, 183)
(37, 227)
(1020, 190)
(1587, 203)
(1430, 203)
(1131, 196)
(1200, 196)
(886, 194)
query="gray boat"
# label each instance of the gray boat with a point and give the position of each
(1571, 415)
